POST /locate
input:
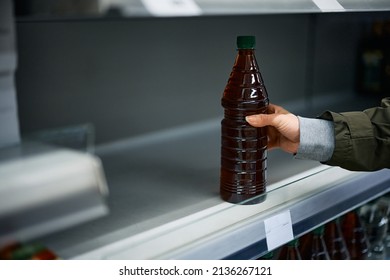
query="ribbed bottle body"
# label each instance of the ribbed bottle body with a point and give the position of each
(290, 251)
(313, 246)
(335, 242)
(355, 236)
(243, 147)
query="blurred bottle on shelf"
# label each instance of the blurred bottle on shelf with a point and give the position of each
(375, 221)
(387, 244)
(7, 250)
(354, 235)
(44, 254)
(335, 242)
(19, 251)
(313, 246)
(290, 251)
(243, 147)
(384, 204)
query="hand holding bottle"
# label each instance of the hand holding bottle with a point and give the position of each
(282, 128)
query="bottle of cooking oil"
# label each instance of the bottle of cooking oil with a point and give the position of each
(375, 222)
(355, 235)
(290, 251)
(335, 242)
(243, 147)
(313, 246)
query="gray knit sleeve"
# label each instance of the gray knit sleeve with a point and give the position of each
(316, 139)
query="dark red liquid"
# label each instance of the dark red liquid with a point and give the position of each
(335, 242)
(313, 245)
(290, 251)
(355, 236)
(244, 148)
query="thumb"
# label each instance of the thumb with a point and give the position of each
(261, 120)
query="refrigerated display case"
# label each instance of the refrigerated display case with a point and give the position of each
(164, 206)
(162, 175)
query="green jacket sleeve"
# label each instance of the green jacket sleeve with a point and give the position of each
(362, 139)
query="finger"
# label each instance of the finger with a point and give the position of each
(261, 120)
(272, 108)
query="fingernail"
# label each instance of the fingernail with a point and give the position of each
(250, 118)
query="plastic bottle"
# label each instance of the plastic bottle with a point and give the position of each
(375, 223)
(243, 147)
(355, 236)
(313, 245)
(29, 251)
(335, 243)
(384, 204)
(290, 251)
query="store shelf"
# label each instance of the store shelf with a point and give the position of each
(44, 189)
(169, 8)
(164, 201)
(164, 188)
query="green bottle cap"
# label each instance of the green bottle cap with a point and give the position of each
(246, 42)
(293, 243)
(319, 230)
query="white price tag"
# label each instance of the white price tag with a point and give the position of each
(278, 230)
(328, 5)
(165, 8)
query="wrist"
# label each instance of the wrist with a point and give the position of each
(316, 140)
